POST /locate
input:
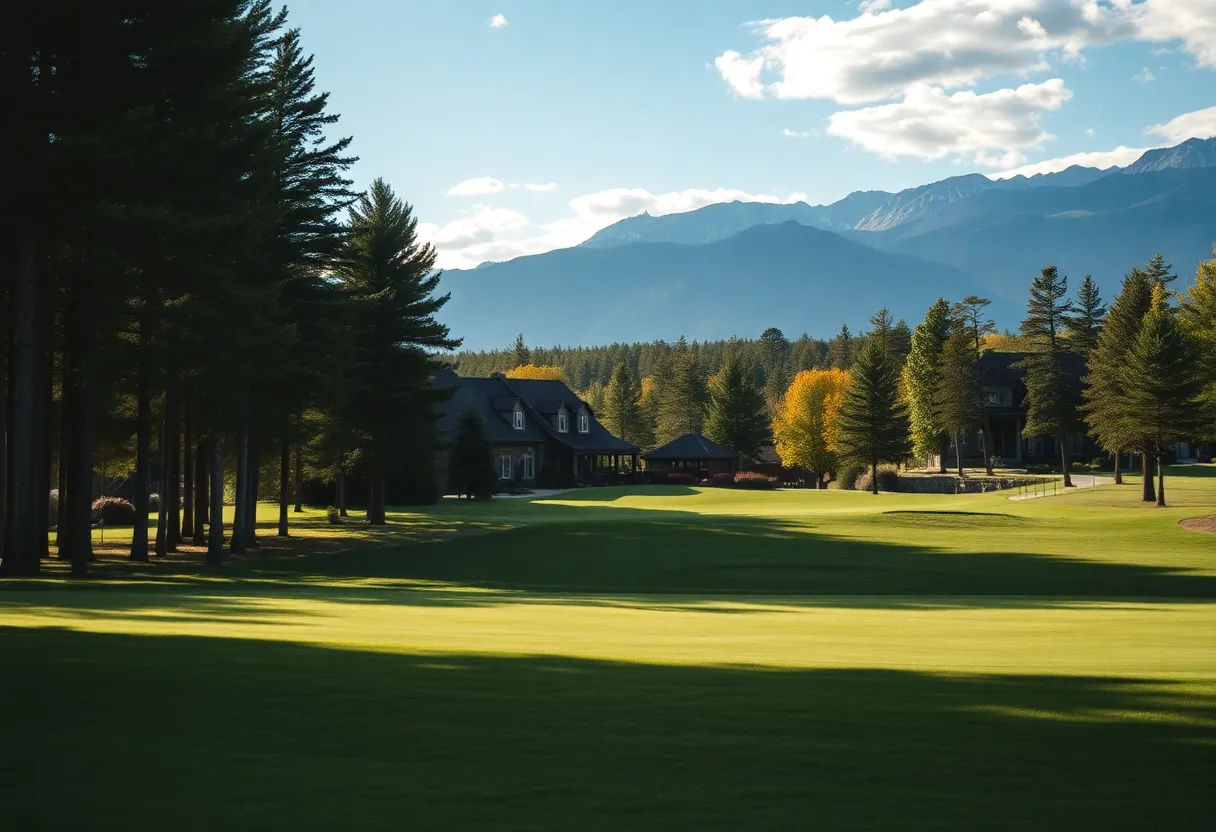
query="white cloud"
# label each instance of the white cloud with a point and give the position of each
(1101, 159)
(990, 129)
(742, 75)
(500, 234)
(1144, 76)
(547, 186)
(480, 186)
(950, 44)
(1089, 132)
(953, 44)
(1200, 124)
(799, 134)
(498, 21)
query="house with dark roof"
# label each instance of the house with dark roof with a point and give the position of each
(694, 453)
(1003, 390)
(543, 434)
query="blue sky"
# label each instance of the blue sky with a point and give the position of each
(518, 127)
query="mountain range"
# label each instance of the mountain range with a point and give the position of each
(737, 268)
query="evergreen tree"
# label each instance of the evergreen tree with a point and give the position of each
(1051, 406)
(840, 349)
(1085, 325)
(775, 362)
(1158, 270)
(972, 311)
(471, 469)
(873, 423)
(390, 275)
(737, 416)
(1198, 318)
(520, 353)
(1162, 383)
(622, 410)
(684, 398)
(920, 377)
(883, 325)
(899, 342)
(957, 404)
(1107, 413)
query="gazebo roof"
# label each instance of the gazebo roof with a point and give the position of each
(690, 446)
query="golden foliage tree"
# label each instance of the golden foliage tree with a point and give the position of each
(537, 371)
(806, 426)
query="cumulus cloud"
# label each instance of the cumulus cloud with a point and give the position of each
(546, 186)
(1144, 76)
(799, 134)
(479, 186)
(1101, 159)
(990, 129)
(495, 234)
(498, 21)
(1189, 22)
(743, 75)
(1200, 124)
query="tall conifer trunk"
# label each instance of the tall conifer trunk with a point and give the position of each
(173, 427)
(1147, 495)
(200, 491)
(299, 482)
(242, 486)
(284, 485)
(251, 498)
(20, 554)
(215, 537)
(64, 454)
(1118, 468)
(1161, 480)
(78, 533)
(162, 511)
(1064, 461)
(943, 451)
(987, 428)
(46, 398)
(187, 478)
(4, 376)
(143, 446)
(340, 496)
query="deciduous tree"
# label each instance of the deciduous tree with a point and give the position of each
(805, 429)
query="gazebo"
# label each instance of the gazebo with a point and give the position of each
(694, 453)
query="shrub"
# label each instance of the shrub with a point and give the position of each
(754, 479)
(722, 480)
(1039, 468)
(113, 511)
(682, 478)
(333, 515)
(888, 479)
(847, 478)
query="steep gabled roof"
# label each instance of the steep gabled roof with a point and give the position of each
(690, 446)
(546, 396)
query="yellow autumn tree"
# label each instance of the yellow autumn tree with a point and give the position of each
(805, 426)
(537, 371)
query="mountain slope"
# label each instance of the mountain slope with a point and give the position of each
(1192, 153)
(786, 275)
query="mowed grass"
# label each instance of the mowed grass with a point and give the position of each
(637, 658)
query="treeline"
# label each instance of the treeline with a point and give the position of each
(190, 287)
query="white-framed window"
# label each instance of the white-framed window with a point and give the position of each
(528, 463)
(504, 466)
(518, 419)
(563, 422)
(584, 422)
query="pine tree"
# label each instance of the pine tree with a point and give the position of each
(1085, 324)
(1198, 318)
(775, 357)
(684, 398)
(1158, 270)
(899, 342)
(737, 416)
(471, 469)
(622, 410)
(921, 378)
(883, 325)
(873, 423)
(1106, 410)
(840, 349)
(390, 275)
(1051, 407)
(972, 311)
(1162, 383)
(956, 391)
(520, 353)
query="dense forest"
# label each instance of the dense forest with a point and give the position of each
(192, 292)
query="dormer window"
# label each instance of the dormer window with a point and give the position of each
(518, 422)
(563, 422)
(584, 422)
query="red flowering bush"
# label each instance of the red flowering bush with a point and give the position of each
(754, 479)
(722, 480)
(682, 478)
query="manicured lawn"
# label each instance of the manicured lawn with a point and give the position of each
(637, 658)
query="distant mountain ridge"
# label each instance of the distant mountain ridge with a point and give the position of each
(738, 268)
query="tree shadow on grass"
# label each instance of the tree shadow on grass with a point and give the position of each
(267, 735)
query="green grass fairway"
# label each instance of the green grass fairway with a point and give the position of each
(663, 658)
